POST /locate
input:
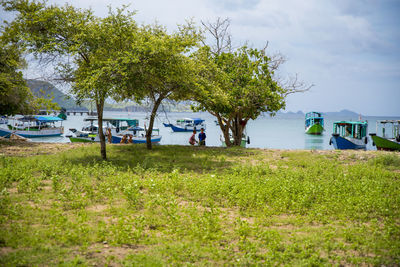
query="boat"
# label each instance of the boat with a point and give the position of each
(33, 126)
(349, 135)
(388, 141)
(186, 125)
(136, 135)
(314, 123)
(89, 133)
(245, 140)
(3, 120)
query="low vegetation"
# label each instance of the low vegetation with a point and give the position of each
(180, 205)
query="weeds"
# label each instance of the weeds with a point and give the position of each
(184, 205)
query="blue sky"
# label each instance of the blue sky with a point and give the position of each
(349, 49)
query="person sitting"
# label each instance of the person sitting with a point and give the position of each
(192, 139)
(202, 137)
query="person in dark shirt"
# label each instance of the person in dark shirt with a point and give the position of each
(202, 137)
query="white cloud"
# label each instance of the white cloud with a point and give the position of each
(347, 48)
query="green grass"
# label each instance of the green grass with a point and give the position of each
(180, 205)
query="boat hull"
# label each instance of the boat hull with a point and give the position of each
(385, 144)
(136, 139)
(346, 143)
(316, 129)
(92, 139)
(32, 134)
(186, 128)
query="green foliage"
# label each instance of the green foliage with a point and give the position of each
(236, 87)
(249, 207)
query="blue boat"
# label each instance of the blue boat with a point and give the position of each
(33, 126)
(349, 135)
(136, 135)
(187, 125)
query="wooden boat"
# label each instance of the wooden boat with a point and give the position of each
(349, 135)
(33, 126)
(388, 141)
(187, 125)
(136, 135)
(89, 133)
(314, 123)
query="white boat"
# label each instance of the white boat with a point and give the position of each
(33, 126)
(3, 120)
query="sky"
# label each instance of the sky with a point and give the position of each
(348, 49)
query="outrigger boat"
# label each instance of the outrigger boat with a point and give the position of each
(33, 126)
(89, 133)
(136, 135)
(349, 135)
(389, 142)
(314, 123)
(187, 125)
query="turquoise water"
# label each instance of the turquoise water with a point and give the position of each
(284, 131)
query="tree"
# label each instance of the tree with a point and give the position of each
(15, 95)
(83, 45)
(238, 84)
(160, 68)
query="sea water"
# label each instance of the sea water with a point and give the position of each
(283, 131)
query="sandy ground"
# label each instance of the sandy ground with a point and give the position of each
(25, 148)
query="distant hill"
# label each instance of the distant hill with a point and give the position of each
(342, 113)
(45, 89)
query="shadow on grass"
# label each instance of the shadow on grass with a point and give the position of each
(162, 158)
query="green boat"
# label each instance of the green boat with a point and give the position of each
(314, 123)
(388, 141)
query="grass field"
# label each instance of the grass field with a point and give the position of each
(176, 205)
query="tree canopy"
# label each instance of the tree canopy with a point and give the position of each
(237, 85)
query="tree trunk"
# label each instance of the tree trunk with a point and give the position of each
(225, 130)
(149, 130)
(100, 106)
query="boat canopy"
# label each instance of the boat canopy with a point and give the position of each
(195, 121)
(313, 114)
(353, 129)
(42, 119)
(389, 121)
(115, 121)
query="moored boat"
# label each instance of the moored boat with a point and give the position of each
(186, 125)
(136, 135)
(314, 123)
(89, 132)
(388, 141)
(3, 120)
(33, 126)
(349, 135)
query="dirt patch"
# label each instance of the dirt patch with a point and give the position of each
(24, 148)
(6, 250)
(98, 208)
(101, 251)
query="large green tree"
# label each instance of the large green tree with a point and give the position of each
(237, 85)
(85, 47)
(15, 95)
(157, 68)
